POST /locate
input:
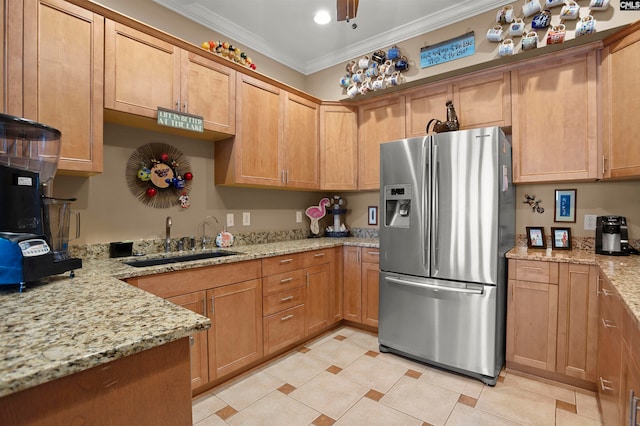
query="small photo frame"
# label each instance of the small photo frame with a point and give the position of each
(535, 237)
(373, 215)
(565, 205)
(561, 238)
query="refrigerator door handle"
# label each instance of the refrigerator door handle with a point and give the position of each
(425, 206)
(436, 208)
(435, 287)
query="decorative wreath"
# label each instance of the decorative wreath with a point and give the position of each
(158, 175)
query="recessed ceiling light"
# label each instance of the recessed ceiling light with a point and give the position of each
(322, 17)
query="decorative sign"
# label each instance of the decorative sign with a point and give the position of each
(630, 5)
(448, 50)
(180, 120)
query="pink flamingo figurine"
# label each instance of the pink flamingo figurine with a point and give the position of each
(315, 213)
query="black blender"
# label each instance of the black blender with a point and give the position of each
(34, 227)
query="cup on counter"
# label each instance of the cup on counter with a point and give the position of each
(495, 34)
(506, 47)
(516, 29)
(531, 7)
(530, 41)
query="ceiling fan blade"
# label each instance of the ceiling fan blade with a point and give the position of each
(347, 9)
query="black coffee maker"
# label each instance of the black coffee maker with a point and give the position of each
(611, 236)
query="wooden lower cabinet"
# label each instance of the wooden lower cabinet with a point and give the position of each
(630, 386)
(360, 285)
(283, 328)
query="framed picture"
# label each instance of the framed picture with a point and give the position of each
(561, 238)
(535, 237)
(373, 215)
(565, 205)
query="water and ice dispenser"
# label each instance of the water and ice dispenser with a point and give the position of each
(397, 205)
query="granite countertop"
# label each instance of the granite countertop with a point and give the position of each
(622, 271)
(72, 324)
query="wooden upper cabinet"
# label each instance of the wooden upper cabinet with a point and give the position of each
(11, 38)
(424, 104)
(483, 100)
(378, 122)
(555, 123)
(621, 104)
(300, 144)
(63, 79)
(338, 147)
(143, 72)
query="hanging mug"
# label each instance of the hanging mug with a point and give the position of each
(390, 67)
(379, 57)
(365, 87)
(586, 26)
(530, 41)
(402, 64)
(379, 83)
(394, 79)
(363, 62)
(358, 77)
(541, 20)
(506, 47)
(345, 81)
(553, 3)
(556, 34)
(352, 90)
(516, 29)
(599, 4)
(531, 7)
(372, 71)
(495, 34)
(570, 10)
(393, 53)
(505, 15)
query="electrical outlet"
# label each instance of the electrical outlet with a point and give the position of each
(246, 218)
(229, 219)
(298, 217)
(590, 222)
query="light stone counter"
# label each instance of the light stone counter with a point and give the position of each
(72, 324)
(622, 271)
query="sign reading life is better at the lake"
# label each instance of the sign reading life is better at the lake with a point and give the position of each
(180, 120)
(448, 50)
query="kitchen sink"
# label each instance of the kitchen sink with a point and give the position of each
(179, 258)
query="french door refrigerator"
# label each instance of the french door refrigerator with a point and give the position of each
(447, 219)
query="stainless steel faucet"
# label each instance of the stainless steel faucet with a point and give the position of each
(167, 237)
(205, 240)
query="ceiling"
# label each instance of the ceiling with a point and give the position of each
(285, 31)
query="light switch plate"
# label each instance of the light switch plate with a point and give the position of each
(298, 217)
(229, 219)
(590, 222)
(246, 218)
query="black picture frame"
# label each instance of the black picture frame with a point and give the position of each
(535, 237)
(561, 238)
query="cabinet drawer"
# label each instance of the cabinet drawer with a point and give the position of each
(317, 257)
(277, 283)
(279, 264)
(280, 301)
(283, 329)
(537, 271)
(370, 254)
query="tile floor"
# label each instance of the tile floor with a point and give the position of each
(342, 379)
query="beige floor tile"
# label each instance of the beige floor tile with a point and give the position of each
(587, 405)
(373, 373)
(564, 418)
(454, 382)
(344, 331)
(329, 394)
(212, 420)
(364, 340)
(275, 409)
(337, 353)
(541, 388)
(242, 393)
(463, 415)
(297, 369)
(405, 362)
(517, 404)
(370, 413)
(205, 406)
(422, 400)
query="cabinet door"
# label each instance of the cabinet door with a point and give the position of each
(630, 385)
(352, 284)
(483, 101)
(370, 293)
(338, 148)
(142, 72)
(235, 336)
(300, 142)
(378, 122)
(209, 90)
(63, 78)
(621, 103)
(12, 49)
(199, 362)
(555, 121)
(317, 299)
(532, 324)
(424, 104)
(577, 321)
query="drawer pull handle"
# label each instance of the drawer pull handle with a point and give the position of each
(532, 268)
(605, 385)
(287, 317)
(319, 254)
(608, 323)
(286, 299)
(192, 341)
(286, 280)
(374, 253)
(286, 260)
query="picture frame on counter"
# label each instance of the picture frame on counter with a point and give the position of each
(561, 238)
(565, 205)
(535, 237)
(373, 215)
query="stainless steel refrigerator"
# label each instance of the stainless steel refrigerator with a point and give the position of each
(447, 219)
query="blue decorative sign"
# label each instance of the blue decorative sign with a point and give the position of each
(449, 50)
